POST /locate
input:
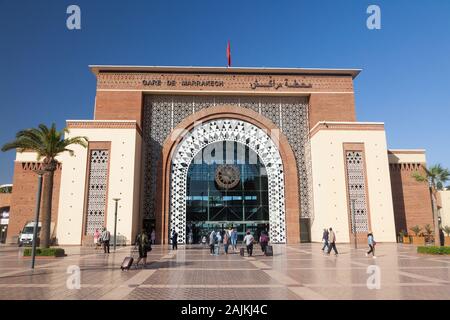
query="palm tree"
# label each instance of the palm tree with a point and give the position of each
(416, 229)
(47, 143)
(446, 229)
(436, 176)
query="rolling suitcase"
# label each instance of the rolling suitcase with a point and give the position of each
(128, 261)
(269, 251)
(242, 251)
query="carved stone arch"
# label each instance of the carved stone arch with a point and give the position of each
(234, 130)
(291, 192)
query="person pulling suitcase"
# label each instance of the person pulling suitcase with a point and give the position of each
(263, 241)
(144, 246)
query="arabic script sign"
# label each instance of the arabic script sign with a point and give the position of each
(225, 82)
(277, 85)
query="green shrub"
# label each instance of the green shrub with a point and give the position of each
(433, 250)
(45, 252)
(416, 229)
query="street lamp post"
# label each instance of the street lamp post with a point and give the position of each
(115, 223)
(36, 217)
(353, 223)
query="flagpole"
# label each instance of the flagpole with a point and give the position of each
(228, 54)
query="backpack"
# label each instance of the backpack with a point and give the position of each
(264, 239)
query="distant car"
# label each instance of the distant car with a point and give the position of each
(26, 235)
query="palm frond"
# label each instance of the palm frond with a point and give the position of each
(70, 151)
(46, 142)
(82, 141)
(10, 146)
(44, 129)
(419, 178)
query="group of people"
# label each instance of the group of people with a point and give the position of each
(143, 242)
(226, 238)
(229, 238)
(329, 242)
(102, 239)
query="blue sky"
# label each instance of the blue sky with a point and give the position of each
(404, 82)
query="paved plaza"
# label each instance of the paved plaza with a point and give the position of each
(294, 272)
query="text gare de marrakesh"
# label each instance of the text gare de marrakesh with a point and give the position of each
(219, 83)
(185, 83)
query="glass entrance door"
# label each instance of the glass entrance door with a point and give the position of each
(195, 232)
(231, 191)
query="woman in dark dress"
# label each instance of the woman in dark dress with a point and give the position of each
(143, 245)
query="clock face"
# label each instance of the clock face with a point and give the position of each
(227, 176)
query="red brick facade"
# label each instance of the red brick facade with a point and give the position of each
(331, 107)
(5, 200)
(411, 199)
(117, 105)
(23, 199)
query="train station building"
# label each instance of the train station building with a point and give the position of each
(195, 149)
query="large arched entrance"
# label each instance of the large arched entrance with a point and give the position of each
(227, 187)
(237, 185)
(170, 201)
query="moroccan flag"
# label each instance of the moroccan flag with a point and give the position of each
(229, 53)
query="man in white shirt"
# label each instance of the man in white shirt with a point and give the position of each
(332, 242)
(248, 241)
(106, 237)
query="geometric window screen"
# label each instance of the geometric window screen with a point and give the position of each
(357, 192)
(96, 204)
(162, 113)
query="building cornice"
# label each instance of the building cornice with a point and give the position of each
(406, 151)
(104, 124)
(96, 69)
(348, 126)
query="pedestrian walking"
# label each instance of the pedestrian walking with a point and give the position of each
(371, 242)
(332, 242)
(218, 241)
(153, 237)
(441, 237)
(97, 240)
(234, 237)
(144, 246)
(248, 241)
(226, 240)
(174, 240)
(263, 241)
(325, 239)
(212, 241)
(106, 237)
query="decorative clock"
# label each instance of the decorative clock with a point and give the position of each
(227, 176)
